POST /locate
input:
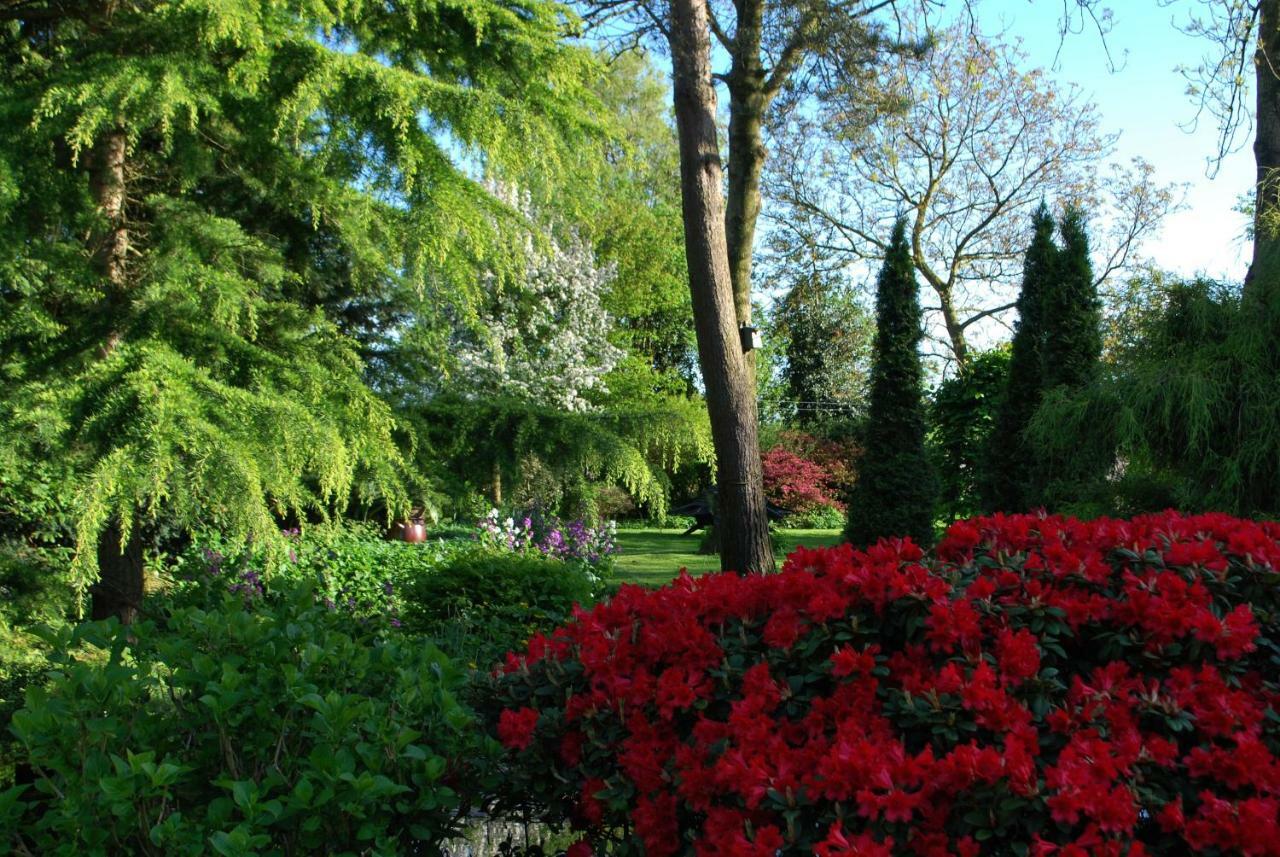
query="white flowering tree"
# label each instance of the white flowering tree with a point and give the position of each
(545, 338)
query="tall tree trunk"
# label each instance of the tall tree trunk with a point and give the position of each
(118, 590)
(941, 287)
(1263, 279)
(747, 104)
(731, 399)
(955, 329)
(107, 184)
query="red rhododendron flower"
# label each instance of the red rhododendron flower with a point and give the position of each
(1109, 684)
(515, 728)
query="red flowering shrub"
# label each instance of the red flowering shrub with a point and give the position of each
(837, 457)
(1044, 686)
(796, 483)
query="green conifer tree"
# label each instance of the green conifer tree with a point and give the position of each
(1072, 312)
(826, 339)
(1071, 352)
(193, 194)
(896, 488)
(1009, 458)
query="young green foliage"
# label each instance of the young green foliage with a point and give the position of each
(826, 338)
(265, 725)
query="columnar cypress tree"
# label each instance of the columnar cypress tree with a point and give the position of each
(896, 487)
(1009, 458)
(1071, 350)
(1073, 339)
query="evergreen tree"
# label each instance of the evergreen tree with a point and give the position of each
(201, 203)
(1072, 348)
(826, 338)
(1010, 459)
(1072, 312)
(896, 488)
(1191, 407)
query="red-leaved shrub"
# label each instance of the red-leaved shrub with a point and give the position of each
(796, 483)
(1043, 686)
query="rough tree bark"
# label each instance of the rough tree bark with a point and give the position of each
(118, 590)
(731, 399)
(1263, 277)
(107, 184)
(748, 101)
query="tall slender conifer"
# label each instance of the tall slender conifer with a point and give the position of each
(896, 488)
(1009, 460)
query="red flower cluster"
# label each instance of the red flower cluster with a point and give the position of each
(1041, 686)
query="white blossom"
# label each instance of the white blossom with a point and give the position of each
(546, 340)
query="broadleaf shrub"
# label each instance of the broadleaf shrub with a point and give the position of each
(481, 604)
(1040, 686)
(817, 518)
(276, 725)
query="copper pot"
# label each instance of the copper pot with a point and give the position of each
(413, 532)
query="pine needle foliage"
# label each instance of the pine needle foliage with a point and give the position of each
(963, 414)
(292, 172)
(1072, 314)
(896, 489)
(1009, 459)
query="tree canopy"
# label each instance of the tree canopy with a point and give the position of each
(209, 209)
(966, 140)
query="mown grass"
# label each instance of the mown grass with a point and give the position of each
(653, 557)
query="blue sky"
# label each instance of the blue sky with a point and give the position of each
(1145, 101)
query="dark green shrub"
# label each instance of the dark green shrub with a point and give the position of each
(277, 727)
(1009, 458)
(1189, 409)
(35, 589)
(480, 605)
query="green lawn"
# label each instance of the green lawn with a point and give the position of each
(653, 557)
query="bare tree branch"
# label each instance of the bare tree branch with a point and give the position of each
(969, 140)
